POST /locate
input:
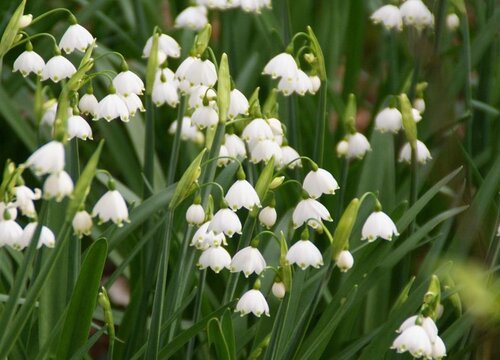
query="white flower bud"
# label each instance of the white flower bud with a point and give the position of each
(25, 20)
(452, 22)
(195, 215)
(344, 261)
(342, 148)
(268, 216)
(279, 290)
(82, 223)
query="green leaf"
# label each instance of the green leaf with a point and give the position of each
(228, 331)
(216, 337)
(11, 29)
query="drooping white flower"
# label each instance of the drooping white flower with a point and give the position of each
(205, 116)
(167, 47)
(192, 17)
(378, 224)
(214, 257)
(255, 6)
(24, 200)
(133, 103)
(282, 65)
(197, 72)
(111, 206)
(452, 22)
(127, 83)
(225, 221)
(288, 155)
(438, 349)
(416, 115)
(257, 130)
(214, 4)
(223, 158)
(268, 216)
(58, 68)
(8, 211)
(203, 238)
(46, 237)
(88, 104)
(426, 323)
(423, 154)
(76, 37)
(342, 148)
(315, 84)
(10, 232)
(47, 159)
(300, 84)
(49, 114)
(188, 130)
(264, 150)
(344, 261)
(242, 194)
(252, 302)
(238, 104)
(389, 16)
(358, 146)
(57, 186)
(248, 260)
(277, 129)
(304, 253)
(310, 211)
(419, 104)
(82, 223)
(414, 340)
(235, 146)
(165, 88)
(195, 215)
(319, 182)
(111, 107)
(389, 119)
(279, 290)
(201, 95)
(415, 13)
(29, 62)
(78, 127)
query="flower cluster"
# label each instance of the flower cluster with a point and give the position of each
(411, 13)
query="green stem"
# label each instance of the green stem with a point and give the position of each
(197, 311)
(319, 138)
(74, 248)
(149, 150)
(174, 155)
(468, 87)
(50, 12)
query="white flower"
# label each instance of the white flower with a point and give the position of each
(427, 324)
(416, 115)
(205, 116)
(214, 4)
(279, 290)
(238, 104)
(111, 206)
(201, 95)
(419, 104)
(111, 107)
(268, 216)
(82, 223)
(133, 103)
(195, 215)
(319, 182)
(378, 224)
(310, 211)
(8, 211)
(358, 146)
(225, 221)
(29, 62)
(452, 22)
(203, 238)
(58, 68)
(235, 146)
(315, 84)
(192, 17)
(223, 158)
(78, 127)
(242, 194)
(25, 20)
(216, 258)
(46, 238)
(389, 119)
(282, 65)
(47, 159)
(248, 260)
(167, 47)
(300, 84)
(252, 302)
(76, 38)
(414, 340)
(389, 16)
(10, 232)
(24, 200)
(88, 104)
(127, 83)
(57, 186)
(304, 253)
(264, 150)
(254, 5)
(423, 153)
(415, 13)
(165, 88)
(438, 349)
(188, 130)
(257, 130)
(49, 115)
(277, 129)
(342, 148)
(197, 72)
(288, 155)
(344, 261)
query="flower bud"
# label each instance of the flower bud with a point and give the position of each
(25, 20)
(267, 216)
(195, 215)
(344, 261)
(82, 223)
(279, 290)
(342, 148)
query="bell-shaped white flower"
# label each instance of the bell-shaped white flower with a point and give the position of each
(203, 238)
(223, 158)
(344, 261)
(58, 68)
(304, 253)
(133, 103)
(425, 322)
(225, 221)
(238, 104)
(290, 157)
(342, 148)
(248, 260)
(268, 216)
(235, 146)
(82, 223)
(24, 200)
(192, 17)
(165, 88)
(264, 150)
(88, 104)
(29, 62)
(49, 114)
(188, 130)
(201, 95)
(300, 84)
(358, 146)
(242, 194)
(319, 182)
(111, 107)
(378, 224)
(197, 72)
(452, 22)
(205, 116)
(8, 211)
(279, 290)
(438, 349)
(416, 14)
(216, 258)
(111, 206)
(46, 237)
(315, 84)
(282, 65)
(416, 115)
(215, 4)
(48, 159)
(167, 47)
(257, 130)
(57, 186)
(389, 120)
(310, 211)
(389, 16)
(10, 232)
(252, 302)
(127, 83)
(195, 214)
(76, 37)
(79, 127)
(414, 340)
(423, 154)
(277, 129)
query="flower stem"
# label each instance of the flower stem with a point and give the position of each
(174, 155)
(319, 138)
(149, 146)
(197, 311)
(74, 248)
